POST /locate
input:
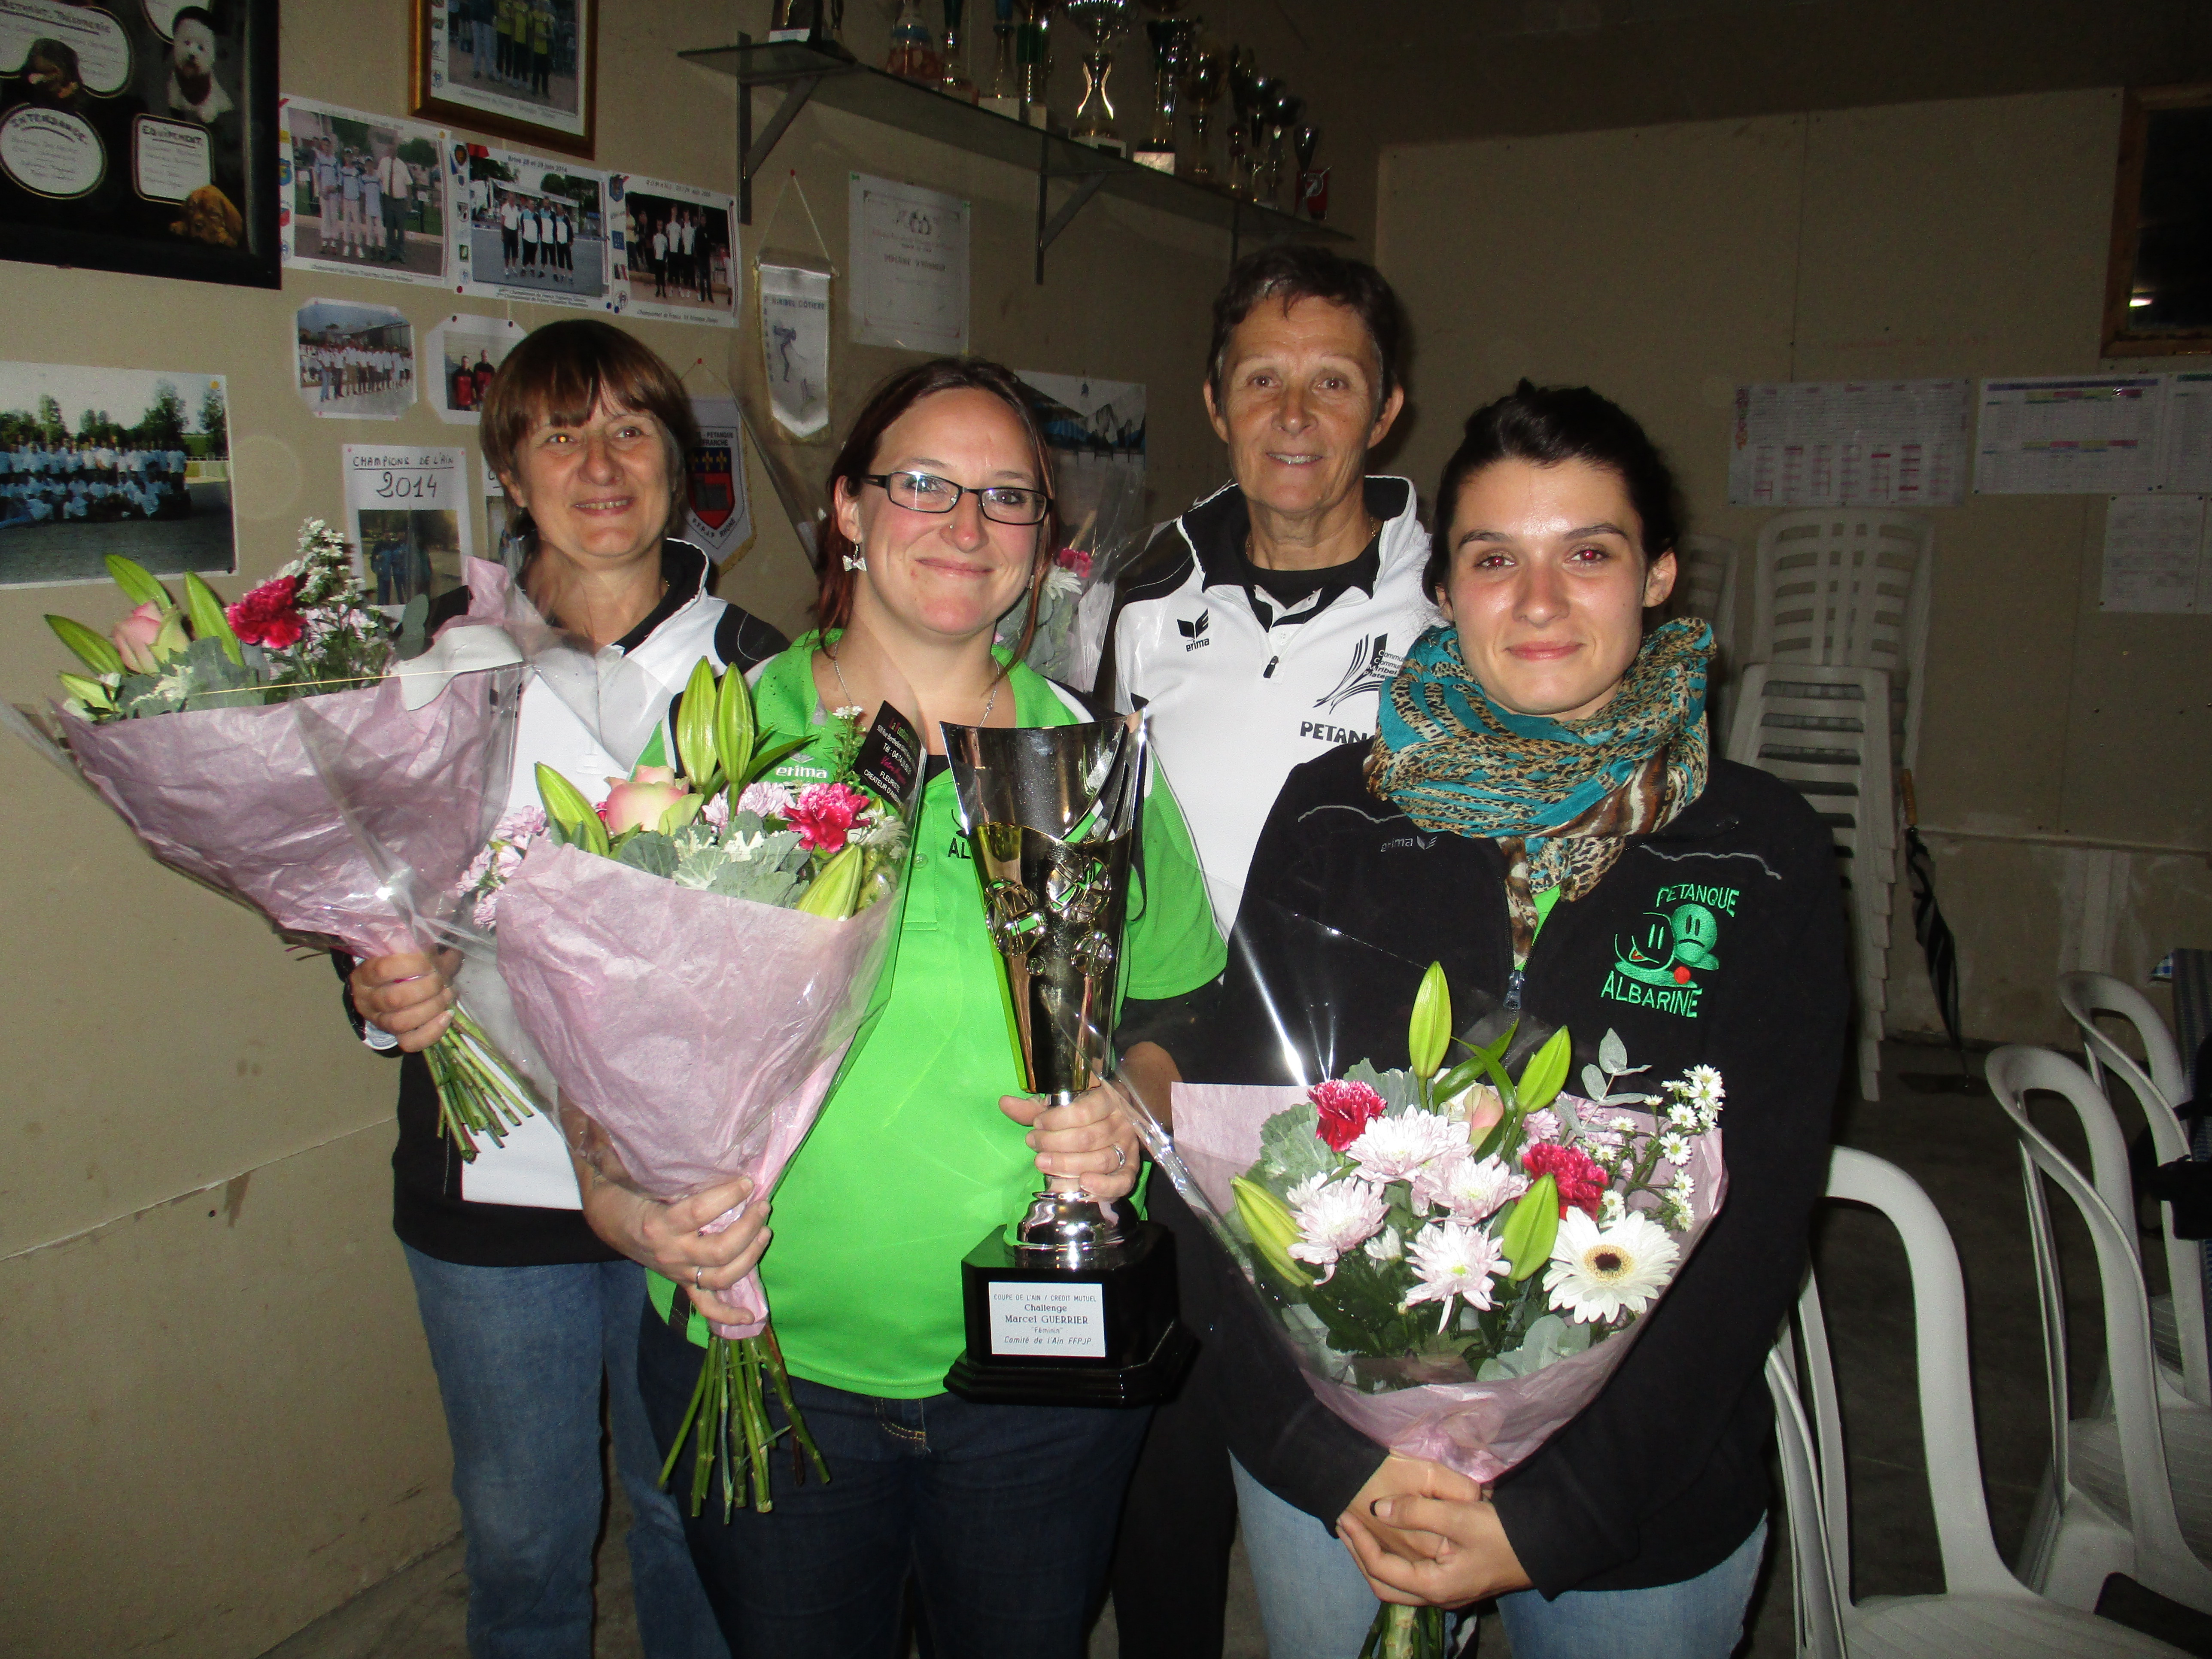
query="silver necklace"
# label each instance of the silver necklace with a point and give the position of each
(851, 701)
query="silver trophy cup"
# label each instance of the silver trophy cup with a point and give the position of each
(1073, 1302)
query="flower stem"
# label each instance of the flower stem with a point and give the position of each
(731, 1436)
(478, 1094)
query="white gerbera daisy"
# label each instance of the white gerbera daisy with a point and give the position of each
(1598, 1273)
(1394, 1148)
(1333, 1218)
(1452, 1261)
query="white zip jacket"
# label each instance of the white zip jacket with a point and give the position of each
(1240, 688)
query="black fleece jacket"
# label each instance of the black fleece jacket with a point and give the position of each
(1717, 941)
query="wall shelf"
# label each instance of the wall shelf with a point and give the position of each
(809, 74)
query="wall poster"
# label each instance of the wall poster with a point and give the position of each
(141, 138)
(675, 251)
(355, 363)
(365, 195)
(464, 353)
(910, 253)
(94, 461)
(533, 229)
(407, 516)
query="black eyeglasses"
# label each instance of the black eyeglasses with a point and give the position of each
(925, 492)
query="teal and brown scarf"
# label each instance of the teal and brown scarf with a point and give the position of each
(1557, 796)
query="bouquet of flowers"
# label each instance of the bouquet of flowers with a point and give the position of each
(1459, 1258)
(694, 958)
(226, 785)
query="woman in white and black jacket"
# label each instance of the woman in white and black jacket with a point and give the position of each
(527, 1309)
(1539, 813)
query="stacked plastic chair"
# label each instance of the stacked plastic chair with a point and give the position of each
(2159, 1085)
(1984, 1612)
(1826, 731)
(1837, 652)
(1704, 586)
(2129, 1489)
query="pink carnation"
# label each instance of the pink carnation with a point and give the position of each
(824, 814)
(768, 801)
(1075, 559)
(1582, 1183)
(1345, 1109)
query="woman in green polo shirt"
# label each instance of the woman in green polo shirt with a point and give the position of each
(1003, 1515)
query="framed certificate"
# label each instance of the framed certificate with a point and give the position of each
(522, 68)
(142, 138)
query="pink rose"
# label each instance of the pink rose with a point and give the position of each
(637, 802)
(134, 639)
(824, 814)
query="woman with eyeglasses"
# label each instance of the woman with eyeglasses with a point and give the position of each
(1003, 1515)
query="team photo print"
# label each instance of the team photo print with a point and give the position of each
(675, 255)
(536, 230)
(521, 67)
(96, 461)
(467, 352)
(357, 362)
(364, 195)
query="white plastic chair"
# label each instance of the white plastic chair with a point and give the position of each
(1705, 586)
(2158, 1083)
(2129, 1486)
(1983, 1609)
(1824, 729)
(1849, 587)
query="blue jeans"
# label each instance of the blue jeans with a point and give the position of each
(520, 1353)
(1315, 1604)
(1003, 1515)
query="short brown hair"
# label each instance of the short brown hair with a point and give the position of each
(561, 372)
(833, 604)
(1287, 272)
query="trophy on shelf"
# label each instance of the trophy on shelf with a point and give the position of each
(1074, 1303)
(1033, 57)
(1248, 92)
(1004, 96)
(1102, 23)
(1205, 68)
(954, 81)
(913, 56)
(807, 22)
(1313, 187)
(1171, 37)
(1282, 115)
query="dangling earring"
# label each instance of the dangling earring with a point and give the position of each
(857, 558)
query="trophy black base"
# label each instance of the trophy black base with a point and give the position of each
(1043, 1334)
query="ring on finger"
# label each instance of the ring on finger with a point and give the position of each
(1121, 1158)
(698, 1279)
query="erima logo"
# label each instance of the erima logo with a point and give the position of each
(1193, 632)
(1372, 667)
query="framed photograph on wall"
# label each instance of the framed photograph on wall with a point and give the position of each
(142, 139)
(523, 69)
(2158, 288)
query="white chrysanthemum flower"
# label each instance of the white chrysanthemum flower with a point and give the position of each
(1333, 1218)
(1470, 1188)
(1394, 1148)
(1675, 1147)
(1385, 1247)
(1705, 1086)
(851, 711)
(1541, 1125)
(1625, 1124)
(1307, 1190)
(1611, 1206)
(1452, 1261)
(768, 801)
(1684, 1116)
(1600, 1272)
(1680, 1216)
(1683, 1186)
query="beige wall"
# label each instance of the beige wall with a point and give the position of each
(1665, 265)
(220, 1419)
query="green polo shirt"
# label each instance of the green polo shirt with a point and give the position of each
(912, 1162)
